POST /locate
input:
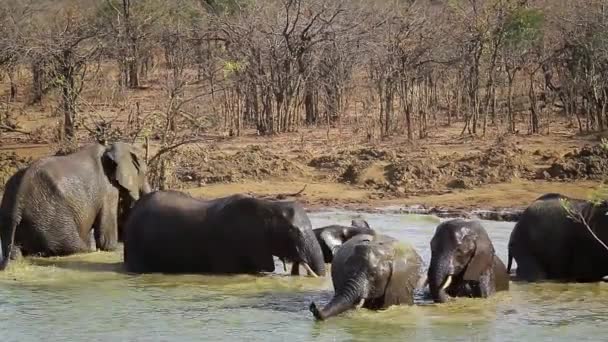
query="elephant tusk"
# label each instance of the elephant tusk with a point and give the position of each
(309, 270)
(360, 304)
(447, 282)
(284, 266)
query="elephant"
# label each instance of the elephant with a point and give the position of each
(172, 232)
(560, 238)
(53, 206)
(464, 262)
(333, 236)
(371, 271)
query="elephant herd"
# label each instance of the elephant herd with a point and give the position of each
(99, 196)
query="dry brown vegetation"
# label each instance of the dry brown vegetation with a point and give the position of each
(438, 102)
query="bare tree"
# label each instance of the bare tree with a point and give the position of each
(72, 43)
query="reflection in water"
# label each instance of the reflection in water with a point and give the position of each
(90, 297)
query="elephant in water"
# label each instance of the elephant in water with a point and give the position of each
(51, 207)
(464, 263)
(332, 237)
(371, 271)
(561, 238)
(170, 232)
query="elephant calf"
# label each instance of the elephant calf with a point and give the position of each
(51, 207)
(560, 238)
(371, 271)
(170, 232)
(464, 263)
(332, 237)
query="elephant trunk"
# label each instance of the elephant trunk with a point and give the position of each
(440, 277)
(348, 298)
(312, 254)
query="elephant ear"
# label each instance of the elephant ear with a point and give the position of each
(288, 212)
(330, 241)
(481, 261)
(401, 283)
(359, 223)
(125, 167)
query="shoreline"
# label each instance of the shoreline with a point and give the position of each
(503, 214)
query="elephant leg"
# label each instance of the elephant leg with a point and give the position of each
(106, 227)
(92, 243)
(258, 262)
(487, 285)
(584, 267)
(529, 269)
(16, 253)
(295, 268)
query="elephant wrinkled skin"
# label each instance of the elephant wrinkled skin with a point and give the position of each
(50, 207)
(373, 272)
(464, 262)
(170, 232)
(552, 243)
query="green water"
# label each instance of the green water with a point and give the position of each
(88, 298)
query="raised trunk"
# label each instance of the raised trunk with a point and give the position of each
(439, 271)
(344, 299)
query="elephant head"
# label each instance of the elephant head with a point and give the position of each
(371, 271)
(293, 238)
(126, 169)
(333, 236)
(460, 251)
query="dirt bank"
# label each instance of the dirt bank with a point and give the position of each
(493, 178)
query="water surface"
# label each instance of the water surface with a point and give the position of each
(88, 298)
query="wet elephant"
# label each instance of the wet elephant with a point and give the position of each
(52, 207)
(561, 238)
(332, 237)
(371, 271)
(464, 262)
(170, 232)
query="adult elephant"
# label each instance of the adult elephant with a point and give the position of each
(170, 232)
(371, 271)
(561, 238)
(51, 207)
(333, 236)
(464, 263)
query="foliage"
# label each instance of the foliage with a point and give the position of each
(394, 67)
(524, 27)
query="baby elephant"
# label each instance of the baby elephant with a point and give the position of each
(464, 263)
(373, 272)
(332, 237)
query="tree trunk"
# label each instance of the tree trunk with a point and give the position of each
(131, 42)
(309, 105)
(511, 118)
(37, 81)
(533, 109)
(13, 85)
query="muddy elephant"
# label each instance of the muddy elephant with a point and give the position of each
(464, 262)
(332, 237)
(171, 232)
(52, 207)
(560, 238)
(371, 271)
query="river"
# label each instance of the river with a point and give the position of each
(89, 298)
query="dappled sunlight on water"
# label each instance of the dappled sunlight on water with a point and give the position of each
(90, 297)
